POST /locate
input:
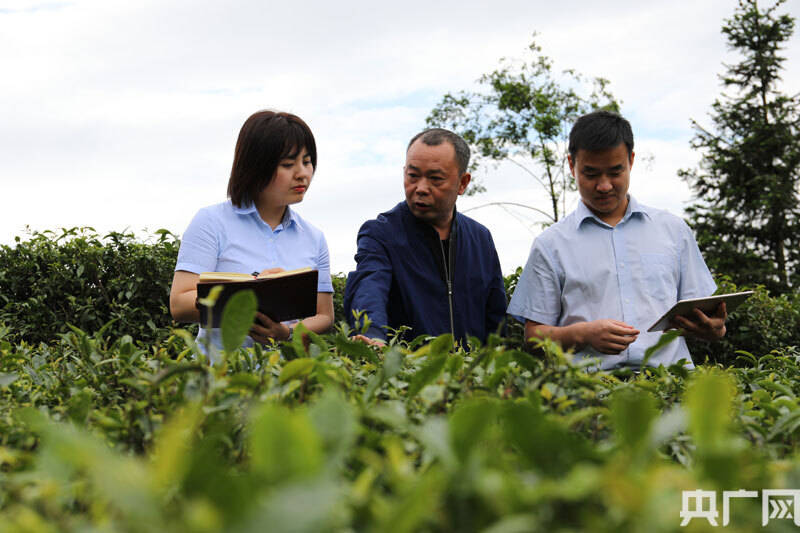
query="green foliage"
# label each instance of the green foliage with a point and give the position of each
(101, 430)
(237, 318)
(96, 433)
(40, 311)
(514, 329)
(633, 412)
(761, 322)
(339, 282)
(747, 209)
(74, 276)
(523, 116)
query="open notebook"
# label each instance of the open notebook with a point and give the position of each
(282, 296)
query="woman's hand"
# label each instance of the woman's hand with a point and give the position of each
(270, 271)
(268, 329)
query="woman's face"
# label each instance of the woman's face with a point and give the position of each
(289, 182)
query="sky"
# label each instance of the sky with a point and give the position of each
(123, 116)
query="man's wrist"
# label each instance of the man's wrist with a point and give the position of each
(576, 335)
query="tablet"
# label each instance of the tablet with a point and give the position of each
(706, 305)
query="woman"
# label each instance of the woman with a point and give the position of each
(256, 230)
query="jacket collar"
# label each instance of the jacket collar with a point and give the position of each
(424, 226)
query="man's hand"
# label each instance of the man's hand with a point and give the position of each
(268, 329)
(608, 336)
(367, 340)
(702, 326)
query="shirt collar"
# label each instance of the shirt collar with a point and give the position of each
(583, 213)
(245, 209)
(635, 207)
(289, 217)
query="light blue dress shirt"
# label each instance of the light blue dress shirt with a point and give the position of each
(225, 238)
(582, 269)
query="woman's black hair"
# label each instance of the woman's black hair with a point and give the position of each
(266, 138)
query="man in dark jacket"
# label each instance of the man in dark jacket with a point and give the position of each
(422, 264)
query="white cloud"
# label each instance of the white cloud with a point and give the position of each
(125, 115)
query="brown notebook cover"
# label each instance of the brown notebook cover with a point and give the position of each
(287, 297)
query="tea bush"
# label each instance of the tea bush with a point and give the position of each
(75, 276)
(326, 434)
(762, 321)
(109, 424)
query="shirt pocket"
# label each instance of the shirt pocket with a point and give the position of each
(658, 273)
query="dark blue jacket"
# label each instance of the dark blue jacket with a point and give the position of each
(400, 277)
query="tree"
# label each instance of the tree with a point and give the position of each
(747, 210)
(523, 116)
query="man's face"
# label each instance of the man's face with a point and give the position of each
(603, 177)
(432, 182)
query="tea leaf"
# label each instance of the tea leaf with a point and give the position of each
(296, 368)
(237, 319)
(7, 379)
(469, 424)
(284, 445)
(429, 371)
(633, 412)
(665, 338)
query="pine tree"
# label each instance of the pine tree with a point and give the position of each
(747, 186)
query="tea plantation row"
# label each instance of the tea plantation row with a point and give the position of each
(116, 424)
(76, 276)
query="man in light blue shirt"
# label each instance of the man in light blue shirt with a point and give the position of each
(597, 279)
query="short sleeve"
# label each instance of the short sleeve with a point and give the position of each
(324, 283)
(538, 293)
(200, 244)
(696, 280)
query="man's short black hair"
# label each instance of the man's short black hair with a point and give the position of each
(436, 136)
(600, 130)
